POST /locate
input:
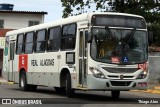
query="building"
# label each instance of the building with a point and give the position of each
(20, 19)
(11, 19)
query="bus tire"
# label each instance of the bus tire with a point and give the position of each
(69, 90)
(23, 82)
(59, 89)
(32, 87)
(115, 94)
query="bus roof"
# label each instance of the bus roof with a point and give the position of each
(71, 19)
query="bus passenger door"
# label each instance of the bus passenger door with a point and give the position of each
(82, 58)
(11, 60)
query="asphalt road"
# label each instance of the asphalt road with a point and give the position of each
(81, 99)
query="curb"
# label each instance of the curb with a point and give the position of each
(6, 82)
(153, 91)
(157, 87)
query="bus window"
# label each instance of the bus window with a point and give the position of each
(53, 39)
(68, 38)
(29, 43)
(41, 41)
(19, 44)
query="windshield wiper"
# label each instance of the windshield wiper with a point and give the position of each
(109, 32)
(130, 35)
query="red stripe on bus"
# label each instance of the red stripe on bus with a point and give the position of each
(23, 62)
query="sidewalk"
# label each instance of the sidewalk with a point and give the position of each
(153, 87)
(156, 90)
(3, 81)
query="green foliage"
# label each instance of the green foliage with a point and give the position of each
(80, 4)
(149, 9)
(155, 28)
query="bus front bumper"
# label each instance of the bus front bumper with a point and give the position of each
(116, 84)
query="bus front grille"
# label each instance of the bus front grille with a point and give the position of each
(120, 83)
(118, 77)
(120, 70)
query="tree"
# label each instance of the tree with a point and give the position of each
(79, 5)
(149, 9)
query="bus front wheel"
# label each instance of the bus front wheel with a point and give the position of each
(115, 94)
(69, 90)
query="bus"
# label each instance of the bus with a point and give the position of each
(99, 51)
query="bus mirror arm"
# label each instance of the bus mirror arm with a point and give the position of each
(88, 36)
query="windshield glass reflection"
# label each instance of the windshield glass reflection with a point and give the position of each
(119, 46)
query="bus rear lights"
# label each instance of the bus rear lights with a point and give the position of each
(142, 84)
(97, 73)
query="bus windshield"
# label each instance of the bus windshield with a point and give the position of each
(119, 46)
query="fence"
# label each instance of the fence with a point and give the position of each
(154, 66)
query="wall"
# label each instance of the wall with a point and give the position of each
(17, 21)
(154, 66)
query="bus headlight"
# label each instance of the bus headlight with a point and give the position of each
(142, 75)
(97, 73)
(144, 72)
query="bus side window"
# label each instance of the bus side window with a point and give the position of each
(28, 48)
(53, 39)
(40, 41)
(20, 42)
(68, 39)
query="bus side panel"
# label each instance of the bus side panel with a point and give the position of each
(30, 69)
(45, 70)
(53, 69)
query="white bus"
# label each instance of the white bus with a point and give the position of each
(93, 51)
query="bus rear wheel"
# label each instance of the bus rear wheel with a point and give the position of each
(69, 91)
(32, 87)
(59, 89)
(115, 94)
(23, 82)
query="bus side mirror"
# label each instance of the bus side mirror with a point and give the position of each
(150, 37)
(88, 36)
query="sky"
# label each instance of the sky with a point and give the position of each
(53, 7)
